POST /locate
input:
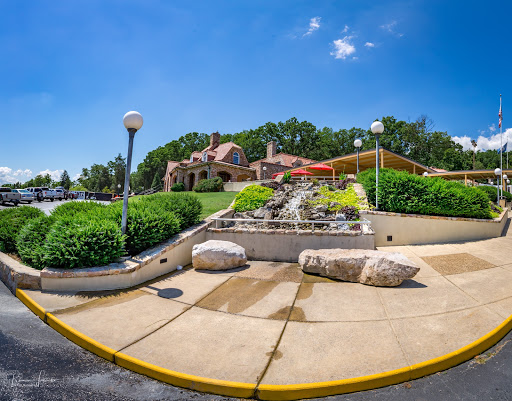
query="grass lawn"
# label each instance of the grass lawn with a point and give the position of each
(214, 201)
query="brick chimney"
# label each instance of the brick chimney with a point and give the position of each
(271, 149)
(214, 140)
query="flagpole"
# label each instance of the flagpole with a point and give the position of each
(501, 148)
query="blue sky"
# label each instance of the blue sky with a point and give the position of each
(71, 69)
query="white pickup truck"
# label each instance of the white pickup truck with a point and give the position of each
(8, 195)
(42, 193)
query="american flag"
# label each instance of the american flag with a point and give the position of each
(500, 115)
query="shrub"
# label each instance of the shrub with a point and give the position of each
(252, 197)
(315, 181)
(330, 188)
(178, 187)
(350, 213)
(339, 198)
(272, 184)
(492, 194)
(71, 209)
(11, 223)
(287, 177)
(82, 241)
(402, 192)
(342, 184)
(31, 239)
(342, 176)
(209, 185)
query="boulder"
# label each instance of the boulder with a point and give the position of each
(218, 255)
(359, 266)
(263, 213)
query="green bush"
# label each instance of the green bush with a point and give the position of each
(82, 241)
(186, 207)
(11, 223)
(178, 187)
(71, 209)
(287, 177)
(209, 185)
(31, 239)
(252, 197)
(491, 192)
(402, 192)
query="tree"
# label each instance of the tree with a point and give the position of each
(157, 181)
(117, 168)
(65, 181)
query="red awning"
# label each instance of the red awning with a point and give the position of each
(320, 166)
(301, 172)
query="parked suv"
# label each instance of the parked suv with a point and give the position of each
(26, 196)
(42, 193)
(59, 194)
(7, 195)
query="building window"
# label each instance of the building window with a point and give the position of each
(236, 158)
(191, 158)
(205, 157)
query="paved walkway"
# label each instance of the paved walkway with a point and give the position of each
(268, 323)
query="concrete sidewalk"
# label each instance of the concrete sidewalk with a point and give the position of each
(268, 323)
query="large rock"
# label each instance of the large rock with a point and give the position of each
(359, 266)
(218, 255)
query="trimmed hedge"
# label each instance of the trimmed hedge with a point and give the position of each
(11, 223)
(82, 242)
(252, 197)
(209, 185)
(186, 207)
(491, 192)
(71, 209)
(31, 240)
(178, 187)
(402, 192)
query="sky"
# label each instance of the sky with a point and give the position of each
(70, 70)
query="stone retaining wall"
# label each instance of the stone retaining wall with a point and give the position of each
(414, 229)
(154, 262)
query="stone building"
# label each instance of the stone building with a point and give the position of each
(277, 162)
(225, 160)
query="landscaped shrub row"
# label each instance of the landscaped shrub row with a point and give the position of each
(402, 192)
(82, 234)
(178, 187)
(491, 192)
(252, 197)
(209, 185)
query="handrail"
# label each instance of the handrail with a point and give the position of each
(312, 222)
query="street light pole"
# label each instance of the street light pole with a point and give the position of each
(264, 171)
(357, 144)
(132, 122)
(498, 173)
(377, 129)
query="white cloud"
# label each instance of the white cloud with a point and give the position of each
(345, 30)
(492, 128)
(77, 176)
(391, 28)
(8, 176)
(343, 48)
(55, 174)
(486, 143)
(314, 25)
(369, 44)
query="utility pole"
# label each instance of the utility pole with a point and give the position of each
(473, 142)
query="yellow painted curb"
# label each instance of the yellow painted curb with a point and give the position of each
(31, 304)
(80, 339)
(270, 391)
(222, 387)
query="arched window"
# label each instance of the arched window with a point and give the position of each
(205, 157)
(236, 158)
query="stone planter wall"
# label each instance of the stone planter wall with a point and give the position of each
(413, 229)
(149, 264)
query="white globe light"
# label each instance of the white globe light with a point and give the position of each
(133, 120)
(377, 127)
(425, 174)
(508, 181)
(358, 143)
(497, 171)
(505, 176)
(264, 168)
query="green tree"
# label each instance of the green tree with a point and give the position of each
(117, 169)
(65, 181)
(157, 181)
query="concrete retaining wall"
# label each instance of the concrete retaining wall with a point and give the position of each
(238, 186)
(286, 245)
(410, 229)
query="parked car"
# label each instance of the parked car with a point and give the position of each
(26, 196)
(7, 195)
(42, 193)
(59, 193)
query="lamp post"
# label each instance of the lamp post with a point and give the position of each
(498, 173)
(264, 170)
(132, 122)
(377, 129)
(118, 189)
(357, 144)
(425, 174)
(504, 180)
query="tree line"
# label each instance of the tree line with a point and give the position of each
(417, 140)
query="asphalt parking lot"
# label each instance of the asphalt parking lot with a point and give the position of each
(46, 206)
